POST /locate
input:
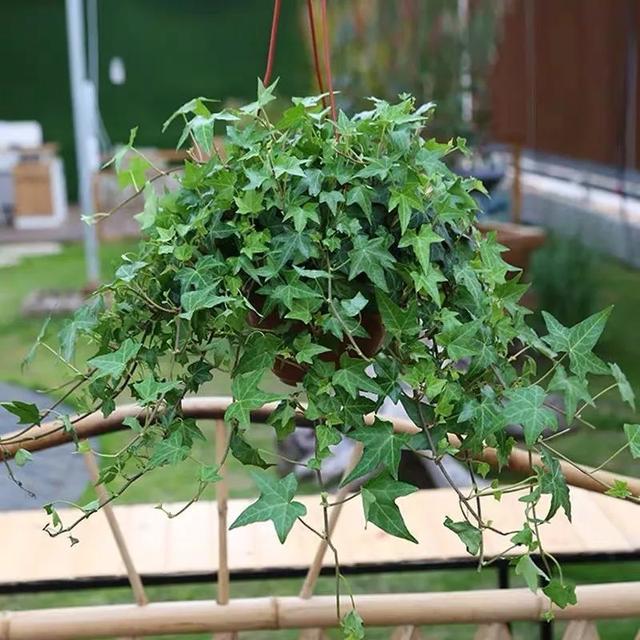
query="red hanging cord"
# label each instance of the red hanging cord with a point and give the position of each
(327, 60)
(272, 42)
(314, 45)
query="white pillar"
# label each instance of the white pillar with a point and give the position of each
(84, 130)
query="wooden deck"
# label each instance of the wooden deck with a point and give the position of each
(188, 545)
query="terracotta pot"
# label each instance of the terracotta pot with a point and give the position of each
(292, 373)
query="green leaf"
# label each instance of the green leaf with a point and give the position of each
(28, 359)
(371, 256)
(331, 199)
(620, 489)
(573, 388)
(259, 354)
(355, 305)
(361, 195)
(275, 503)
(113, 364)
(26, 412)
(378, 499)
(146, 219)
(421, 243)
(396, 320)
(127, 272)
(578, 341)
(206, 298)
(552, 482)
(210, 473)
(525, 406)
(352, 626)
(470, 536)
(283, 419)
(287, 164)
(169, 451)
(560, 593)
(463, 340)
(306, 350)
(244, 452)
(22, 456)
(326, 436)
(382, 447)
(405, 201)
(150, 389)
(632, 431)
(626, 392)
(528, 569)
(246, 397)
(352, 378)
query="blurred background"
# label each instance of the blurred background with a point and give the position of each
(546, 93)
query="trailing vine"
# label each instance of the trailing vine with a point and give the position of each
(344, 256)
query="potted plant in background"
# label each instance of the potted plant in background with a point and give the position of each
(344, 254)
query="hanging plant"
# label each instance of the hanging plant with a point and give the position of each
(343, 256)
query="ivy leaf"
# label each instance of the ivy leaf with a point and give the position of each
(525, 406)
(169, 451)
(275, 503)
(463, 340)
(22, 456)
(244, 452)
(560, 593)
(371, 256)
(351, 376)
(149, 389)
(421, 243)
(530, 571)
(114, 363)
(573, 388)
(259, 354)
(553, 482)
(382, 447)
(396, 320)
(147, 217)
(331, 199)
(326, 436)
(352, 626)
(26, 412)
(405, 201)
(468, 534)
(127, 272)
(283, 419)
(620, 489)
(632, 431)
(361, 195)
(246, 397)
(378, 500)
(578, 341)
(306, 349)
(288, 164)
(355, 305)
(206, 298)
(626, 392)
(210, 473)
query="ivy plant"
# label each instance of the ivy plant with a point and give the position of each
(344, 256)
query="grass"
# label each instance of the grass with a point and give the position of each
(616, 285)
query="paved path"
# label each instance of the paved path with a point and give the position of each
(52, 474)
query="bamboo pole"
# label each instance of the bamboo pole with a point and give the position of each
(222, 495)
(134, 577)
(581, 630)
(601, 601)
(315, 567)
(52, 434)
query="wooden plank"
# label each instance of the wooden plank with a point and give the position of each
(495, 631)
(581, 630)
(600, 525)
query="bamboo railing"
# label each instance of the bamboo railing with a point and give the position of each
(52, 434)
(604, 601)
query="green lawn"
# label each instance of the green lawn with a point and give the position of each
(616, 285)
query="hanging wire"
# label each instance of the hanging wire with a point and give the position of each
(314, 46)
(272, 41)
(327, 59)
